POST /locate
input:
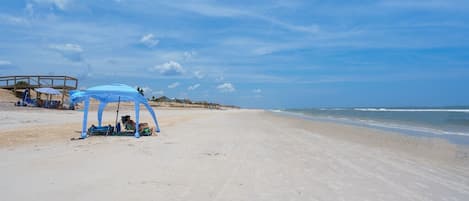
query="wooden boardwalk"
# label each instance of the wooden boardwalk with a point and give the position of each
(15, 82)
(63, 83)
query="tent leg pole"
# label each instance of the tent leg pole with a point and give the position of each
(137, 119)
(102, 105)
(85, 118)
(153, 115)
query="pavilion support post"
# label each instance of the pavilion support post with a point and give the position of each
(85, 117)
(137, 118)
(63, 91)
(14, 87)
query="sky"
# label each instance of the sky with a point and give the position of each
(254, 54)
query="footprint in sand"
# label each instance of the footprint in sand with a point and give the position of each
(214, 154)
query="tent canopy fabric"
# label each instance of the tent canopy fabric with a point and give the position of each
(49, 91)
(108, 94)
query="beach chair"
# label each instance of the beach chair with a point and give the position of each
(143, 128)
(101, 130)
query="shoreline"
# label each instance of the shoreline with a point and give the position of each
(421, 146)
(452, 137)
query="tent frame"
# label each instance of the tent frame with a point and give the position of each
(128, 96)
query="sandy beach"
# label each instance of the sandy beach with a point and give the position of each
(285, 100)
(222, 155)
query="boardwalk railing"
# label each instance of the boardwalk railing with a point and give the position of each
(38, 81)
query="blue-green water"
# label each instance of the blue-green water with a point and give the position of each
(449, 123)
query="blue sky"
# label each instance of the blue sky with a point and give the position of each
(266, 54)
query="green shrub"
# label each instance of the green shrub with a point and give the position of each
(20, 84)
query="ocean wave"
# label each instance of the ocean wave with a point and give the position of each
(402, 127)
(277, 111)
(379, 124)
(414, 128)
(410, 110)
(332, 109)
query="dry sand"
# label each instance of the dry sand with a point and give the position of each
(222, 155)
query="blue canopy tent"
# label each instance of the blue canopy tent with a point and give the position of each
(107, 94)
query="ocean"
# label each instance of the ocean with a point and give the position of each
(451, 123)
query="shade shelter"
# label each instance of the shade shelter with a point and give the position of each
(108, 94)
(49, 92)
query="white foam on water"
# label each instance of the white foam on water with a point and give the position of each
(414, 128)
(333, 109)
(276, 111)
(410, 110)
(378, 124)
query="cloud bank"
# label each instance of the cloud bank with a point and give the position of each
(149, 40)
(72, 52)
(226, 88)
(173, 85)
(193, 87)
(170, 68)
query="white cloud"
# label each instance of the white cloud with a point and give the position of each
(263, 50)
(226, 87)
(158, 93)
(220, 78)
(434, 4)
(193, 87)
(210, 10)
(29, 8)
(12, 20)
(86, 73)
(69, 51)
(173, 85)
(257, 91)
(199, 75)
(4, 63)
(214, 10)
(60, 4)
(67, 47)
(189, 55)
(169, 68)
(7, 65)
(183, 95)
(313, 29)
(147, 89)
(149, 40)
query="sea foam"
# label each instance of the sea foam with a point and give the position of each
(410, 110)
